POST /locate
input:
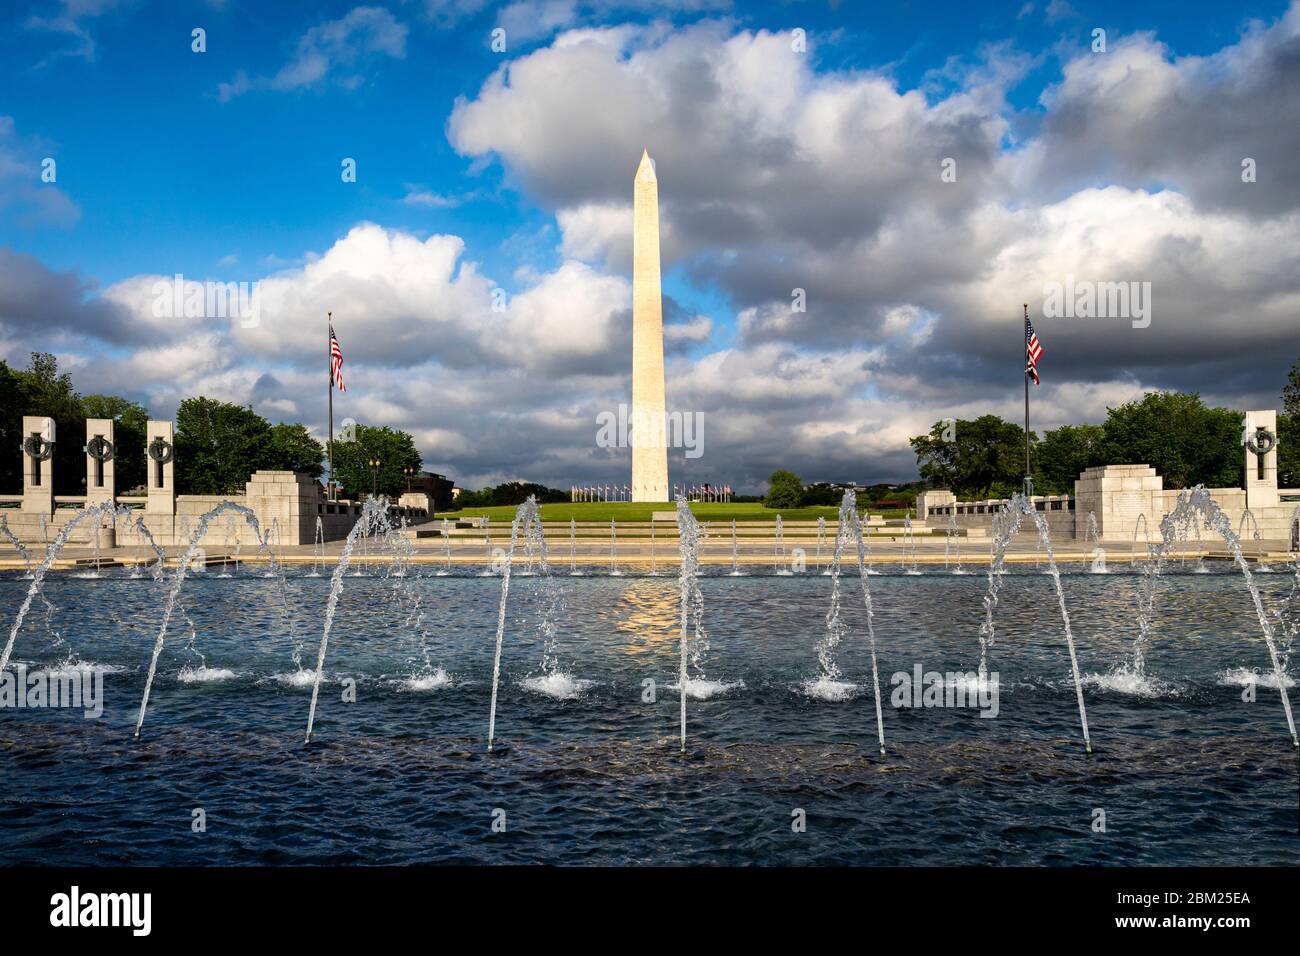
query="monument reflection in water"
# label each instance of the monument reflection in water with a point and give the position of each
(588, 763)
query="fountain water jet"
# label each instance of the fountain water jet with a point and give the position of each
(691, 597)
(1140, 524)
(1260, 566)
(654, 569)
(18, 545)
(1011, 517)
(1194, 505)
(179, 579)
(318, 563)
(573, 546)
(821, 537)
(909, 544)
(871, 627)
(778, 547)
(521, 515)
(96, 512)
(952, 530)
(446, 545)
(735, 552)
(374, 513)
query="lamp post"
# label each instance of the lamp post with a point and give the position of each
(408, 471)
(374, 477)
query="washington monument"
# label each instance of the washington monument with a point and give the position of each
(649, 449)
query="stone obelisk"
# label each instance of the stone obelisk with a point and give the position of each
(649, 448)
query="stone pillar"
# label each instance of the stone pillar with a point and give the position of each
(418, 500)
(38, 475)
(100, 453)
(926, 501)
(160, 465)
(1261, 470)
(1117, 495)
(288, 500)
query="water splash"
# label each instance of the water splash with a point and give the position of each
(374, 514)
(521, 516)
(573, 545)
(654, 563)
(409, 600)
(1007, 525)
(1195, 505)
(1090, 533)
(318, 545)
(735, 550)
(691, 600)
(547, 596)
(95, 512)
(1140, 525)
(953, 532)
(18, 545)
(871, 626)
(909, 546)
(613, 547)
(178, 579)
(778, 547)
(1260, 565)
(828, 684)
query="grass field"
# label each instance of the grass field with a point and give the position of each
(641, 511)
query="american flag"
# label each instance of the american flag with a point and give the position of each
(1033, 350)
(336, 362)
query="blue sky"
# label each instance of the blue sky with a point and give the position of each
(226, 165)
(170, 178)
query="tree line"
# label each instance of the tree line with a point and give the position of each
(1186, 441)
(218, 444)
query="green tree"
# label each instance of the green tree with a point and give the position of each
(130, 421)
(517, 492)
(822, 493)
(1288, 451)
(48, 392)
(291, 448)
(1291, 392)
(1185, 441)
(218, 446)
(1063, 453)
(13, 399)
(784, 490)
(973, 458)
(394, 449)
(472, 499)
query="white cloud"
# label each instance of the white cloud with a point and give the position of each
(330, 51)
(24, 196)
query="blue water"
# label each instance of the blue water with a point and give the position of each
(1194, 775)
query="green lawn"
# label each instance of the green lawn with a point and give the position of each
(640, 511)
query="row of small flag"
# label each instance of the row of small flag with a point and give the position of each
(705, 492)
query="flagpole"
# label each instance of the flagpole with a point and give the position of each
(1029, 478)
(329, 367)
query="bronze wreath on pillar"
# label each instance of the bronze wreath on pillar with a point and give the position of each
(100, 448)
(160, 450)
(1262, 442)
(38, 448)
